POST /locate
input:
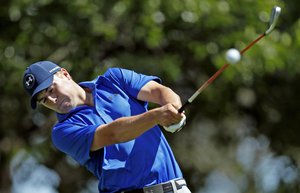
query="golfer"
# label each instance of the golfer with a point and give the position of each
(104, 124)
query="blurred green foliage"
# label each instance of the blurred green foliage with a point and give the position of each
(181, 41)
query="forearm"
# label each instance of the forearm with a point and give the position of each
(169, 96)
(128, 128)
(159, 94)
(124, 129)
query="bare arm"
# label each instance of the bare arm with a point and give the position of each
(128, 128)
(159, 94)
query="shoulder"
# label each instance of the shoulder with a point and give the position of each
(120, 74)
(126, 75)
(117, 72)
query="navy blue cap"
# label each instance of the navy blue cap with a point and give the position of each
(37, 77)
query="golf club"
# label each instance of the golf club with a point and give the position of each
(272, 23)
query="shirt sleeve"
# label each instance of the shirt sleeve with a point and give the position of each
(74, 140)
(131, 81)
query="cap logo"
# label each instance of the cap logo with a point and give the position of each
(52, 70)
(29, 81)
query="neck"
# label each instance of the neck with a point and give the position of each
(88, 97)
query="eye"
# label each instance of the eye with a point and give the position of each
(42, 100)
(48, 92)
(50, 89)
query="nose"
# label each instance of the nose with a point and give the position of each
(52, 98)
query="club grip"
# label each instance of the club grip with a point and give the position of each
(183, 107)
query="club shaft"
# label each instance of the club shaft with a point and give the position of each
(252, 43)
(215, 75)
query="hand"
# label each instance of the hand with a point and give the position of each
(176, 127)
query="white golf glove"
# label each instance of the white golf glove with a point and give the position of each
(176, 127)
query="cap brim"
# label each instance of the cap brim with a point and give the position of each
(38, 89)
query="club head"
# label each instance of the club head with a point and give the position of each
(273, 19)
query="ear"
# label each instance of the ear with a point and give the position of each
(66, 73)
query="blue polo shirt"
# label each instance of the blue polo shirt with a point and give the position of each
(144, 161)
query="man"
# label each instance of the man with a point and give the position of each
(105, 125)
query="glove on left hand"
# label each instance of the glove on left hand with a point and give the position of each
(176, 127)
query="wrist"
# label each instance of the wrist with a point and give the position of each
(154, 116)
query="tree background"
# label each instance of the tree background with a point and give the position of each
(242, 133)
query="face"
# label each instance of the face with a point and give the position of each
(61, 95)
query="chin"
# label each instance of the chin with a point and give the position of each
(66, 109)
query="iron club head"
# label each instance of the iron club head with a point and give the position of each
(273, 19)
